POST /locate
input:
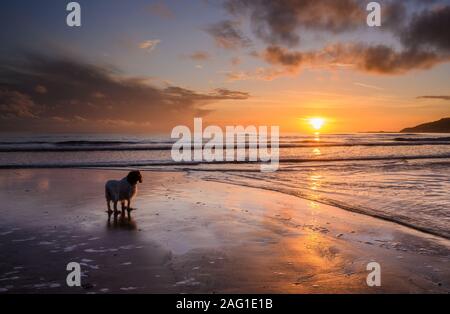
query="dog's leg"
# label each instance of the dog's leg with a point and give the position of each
(116, 212)
(129, 207)
(123, 207)
(108, 203)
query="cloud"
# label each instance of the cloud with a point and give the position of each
(259, 74)
(179, 93)
(122, 123)
(393, 14)
(379, 59)
(161, 9)
(368, 86)
(429, 28)
(434, 97)
(149, 45)
(222, 93)
(98, 95)
(228, 35)
(88, 97)
(280, 22)
(382, 59)
(418, 31)
(40, 89)
(14, 104)
(282, 56)
(376, 59)
(235, 61)
(200, 56)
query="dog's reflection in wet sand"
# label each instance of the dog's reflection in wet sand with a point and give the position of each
(120, 221)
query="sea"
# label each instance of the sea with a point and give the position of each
(401, 177)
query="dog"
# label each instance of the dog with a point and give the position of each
(122, 191)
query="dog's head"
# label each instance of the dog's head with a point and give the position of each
(134, 177)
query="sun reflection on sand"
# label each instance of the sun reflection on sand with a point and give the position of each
(315, 181)
(317, 136)
(317, 152)
(317, 262)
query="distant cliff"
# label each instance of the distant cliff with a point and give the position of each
(441, 126)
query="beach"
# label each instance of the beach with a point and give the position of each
(266, 147)
(191, 235)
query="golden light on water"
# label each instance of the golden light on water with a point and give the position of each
(316, 122)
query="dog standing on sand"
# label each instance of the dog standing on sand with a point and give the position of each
(122, 191)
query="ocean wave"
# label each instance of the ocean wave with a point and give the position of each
(167, 163)
(106, 146)
(83, 142)
(427, 139)
(398, 219)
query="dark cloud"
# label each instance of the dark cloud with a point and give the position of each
(223, 93)
(282, 56)
(430, 28)
(93, 97)
(228, 35)
(280, 22)
(420, 27)
(393, 15)
(182, 94)
(14, 104)
(385, 60)
(434, 97)
(379, 59)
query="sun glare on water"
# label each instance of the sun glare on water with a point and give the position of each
(316, 123)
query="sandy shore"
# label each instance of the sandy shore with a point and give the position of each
(189, 235)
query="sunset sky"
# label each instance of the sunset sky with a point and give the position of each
(147, 66)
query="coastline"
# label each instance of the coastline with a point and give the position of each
(341, 206)
(194, 236)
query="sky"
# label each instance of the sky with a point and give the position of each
(148, 66)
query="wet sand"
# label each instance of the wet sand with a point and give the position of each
(193, 236)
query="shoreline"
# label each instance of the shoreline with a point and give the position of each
(194, 236)
(343, 207)
(286, 192)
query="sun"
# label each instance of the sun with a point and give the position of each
(316, 123)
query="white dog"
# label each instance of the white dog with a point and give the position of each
(122, 191)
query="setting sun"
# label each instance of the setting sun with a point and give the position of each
(316, 123)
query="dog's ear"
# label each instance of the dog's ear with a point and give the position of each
(139, 176)
(134, 177)
(131, 177)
